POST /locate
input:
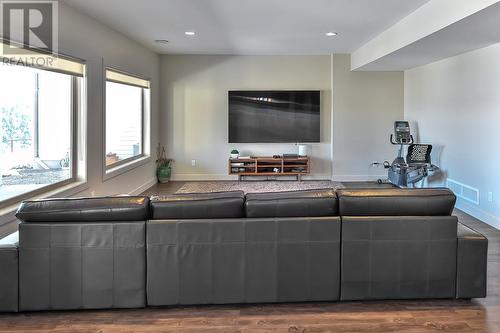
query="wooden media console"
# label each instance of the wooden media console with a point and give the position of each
(269, 166)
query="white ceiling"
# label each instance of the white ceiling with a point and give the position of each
(249, 26)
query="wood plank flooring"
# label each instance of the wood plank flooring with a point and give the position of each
(479, 315)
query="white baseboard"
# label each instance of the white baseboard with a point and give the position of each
(214, 177)
(143, 187)
(478, 213)
(318, 176)
(358, 178)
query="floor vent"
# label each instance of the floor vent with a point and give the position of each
(463, 191)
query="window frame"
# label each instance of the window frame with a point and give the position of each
(77, 90)
(125, 165)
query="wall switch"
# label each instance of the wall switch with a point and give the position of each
(490, 196)
(193, 162)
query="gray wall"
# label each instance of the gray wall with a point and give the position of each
(365, 106)
(82, 37)
(194, 111)
(194, 104)
(456, 105)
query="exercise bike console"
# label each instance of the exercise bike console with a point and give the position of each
(401, 133)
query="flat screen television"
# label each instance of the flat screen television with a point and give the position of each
(274, 116)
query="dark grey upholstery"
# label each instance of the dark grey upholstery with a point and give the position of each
(200, 249)
(82, 265)
(120, 208)
(398, 257)
(292, 204)
(396, 202)
(198, 205)
(8, 277)
(91, 255)
(243, 260)
(471, 263)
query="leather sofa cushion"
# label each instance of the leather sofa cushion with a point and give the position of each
(322, 202)
(198, 205)
(119, 208)
(396, 202)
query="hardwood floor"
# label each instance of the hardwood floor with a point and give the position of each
(478, 315)
(167, 188)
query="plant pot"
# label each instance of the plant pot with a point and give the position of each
(234, 156)
(163, 174)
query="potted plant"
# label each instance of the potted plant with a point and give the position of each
(234, 153)
(163, 165)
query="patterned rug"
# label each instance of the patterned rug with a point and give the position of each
(257, 186)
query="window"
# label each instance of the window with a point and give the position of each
(37, 113)
(126, 105)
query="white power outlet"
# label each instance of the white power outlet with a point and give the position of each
(92, 193)
(490, 196)
(193, 163)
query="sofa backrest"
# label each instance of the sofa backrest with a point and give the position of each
(83, 253)
(198, 205)
(396, 202)
(308, 203)
(101, 209)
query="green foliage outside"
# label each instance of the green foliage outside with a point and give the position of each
(14, 126)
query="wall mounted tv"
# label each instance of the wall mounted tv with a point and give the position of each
(274, 116)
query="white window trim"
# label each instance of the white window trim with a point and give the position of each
(7, 213)
(127, 165)
(79, 151)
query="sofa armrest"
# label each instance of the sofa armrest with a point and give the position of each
(472, 260)
(9, 260)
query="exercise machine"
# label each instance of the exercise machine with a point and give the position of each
(406, 172)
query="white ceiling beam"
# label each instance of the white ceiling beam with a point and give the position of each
(423, 22)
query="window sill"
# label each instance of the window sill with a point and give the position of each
(118, 170)
(7, 213)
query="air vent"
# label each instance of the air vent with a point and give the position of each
(463, 191)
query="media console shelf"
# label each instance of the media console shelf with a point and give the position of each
(269, 166)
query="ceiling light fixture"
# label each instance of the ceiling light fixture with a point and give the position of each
(190, 33)
(331, 34)
(161, 41)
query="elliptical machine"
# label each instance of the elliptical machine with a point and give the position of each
(405, 172)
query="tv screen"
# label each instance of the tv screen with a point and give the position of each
(274, 116)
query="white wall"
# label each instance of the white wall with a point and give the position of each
(194, 104)
(456, 104)
(194, 111)
(365, 106)
(82, 37)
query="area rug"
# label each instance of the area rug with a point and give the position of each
(256, 186)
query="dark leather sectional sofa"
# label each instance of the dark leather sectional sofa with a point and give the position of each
(318, 245)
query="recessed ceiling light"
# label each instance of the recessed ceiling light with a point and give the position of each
(331, 34)
(161, 41)
(190, 33)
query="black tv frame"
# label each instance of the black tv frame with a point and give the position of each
(318, 140)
